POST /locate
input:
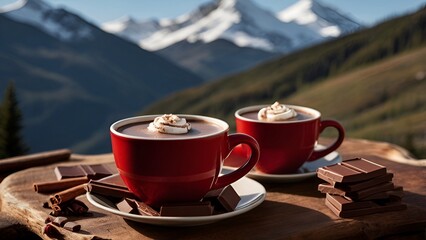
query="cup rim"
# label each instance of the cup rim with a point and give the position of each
(239, 112)
(113, 128)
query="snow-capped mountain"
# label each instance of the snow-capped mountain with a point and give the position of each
(239, 21)
(55, 21)
(325, 20)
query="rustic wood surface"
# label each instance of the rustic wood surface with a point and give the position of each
(291, 210)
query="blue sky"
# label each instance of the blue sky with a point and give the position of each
(98, 11)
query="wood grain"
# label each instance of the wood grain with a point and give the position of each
(291, 210)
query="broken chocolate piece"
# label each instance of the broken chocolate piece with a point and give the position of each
(72, 226)
(111, 191)
(60, 221)
(225, 197)
(96, 171)
(342, 203)
(384, 206)
(145, 210)
(78, 207)
(133, 206)
(349, 171)
(127, 206)
(187, 209)
(358, 195)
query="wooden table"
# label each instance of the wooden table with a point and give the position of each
(291, 210)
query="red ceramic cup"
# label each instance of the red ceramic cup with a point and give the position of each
(177, 169)
(285, 145)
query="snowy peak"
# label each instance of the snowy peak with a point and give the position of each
(239, 21)
(54, 21)
(131, 29)
(326, 20)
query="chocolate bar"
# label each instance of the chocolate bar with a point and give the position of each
(362, 194)
(356, 186)
(378, 207)
(187, 209)
(95, 171)
(353, 170)
(342, 203)
(109, 190)
(225, 198)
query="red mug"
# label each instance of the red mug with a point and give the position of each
(177, 168)
(285, 145)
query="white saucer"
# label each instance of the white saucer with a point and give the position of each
(251, 192)
(307, 170)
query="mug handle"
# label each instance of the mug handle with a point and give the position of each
(234, 140)
(323, 125)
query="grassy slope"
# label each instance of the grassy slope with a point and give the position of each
(324, 75)
(385, 101)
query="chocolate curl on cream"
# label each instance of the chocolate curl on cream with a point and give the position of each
(169, 124)
(276, 112)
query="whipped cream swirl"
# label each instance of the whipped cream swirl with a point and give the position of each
(169, 124)
(276, 112)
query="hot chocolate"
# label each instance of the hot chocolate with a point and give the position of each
(299, 117)
(199, 128)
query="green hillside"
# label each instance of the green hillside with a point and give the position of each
(367, 80)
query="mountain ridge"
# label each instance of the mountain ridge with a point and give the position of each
(247, 27)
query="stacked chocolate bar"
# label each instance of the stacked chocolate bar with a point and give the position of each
(358, 187)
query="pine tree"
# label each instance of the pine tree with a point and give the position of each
(11, 143)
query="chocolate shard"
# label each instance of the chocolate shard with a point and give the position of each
(72, 226)
(187, 209)
(353, 170)
(226, 198)
(126, 205)
(145, 210)
(60, 221)
(78, 207)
